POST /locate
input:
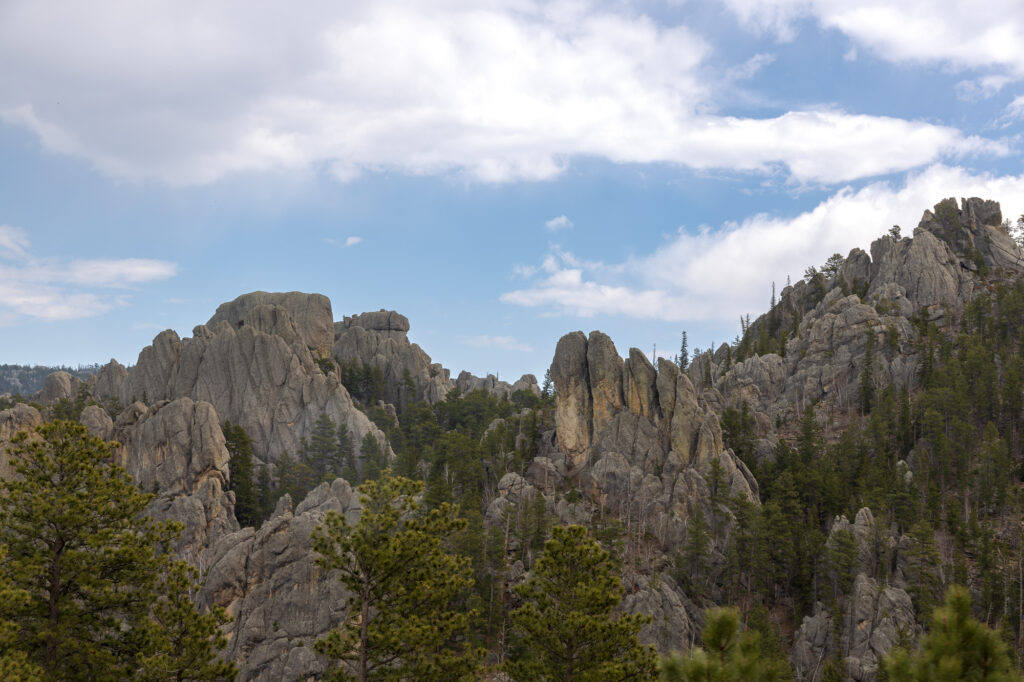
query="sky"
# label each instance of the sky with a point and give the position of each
(502, 172)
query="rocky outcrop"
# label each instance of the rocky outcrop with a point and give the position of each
(934, 275)
(21, 417)
(177, 450)
(379, 339)
(269, 582)
(255, 364)
(601, 397)
(59, 386)
(873, 618)
(574, 408)
(467, 383)
(309, 317)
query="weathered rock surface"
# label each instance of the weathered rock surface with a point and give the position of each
(308, 314)
(574, 410)
(281, 601)
(253, 362)
(874, 616)
(59, 386)
(177, 449)
(380, 339)
(934, 274)
(608, 426)
(21, 417)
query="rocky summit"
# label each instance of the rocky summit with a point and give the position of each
(726, 478)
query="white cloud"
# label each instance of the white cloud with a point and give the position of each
(13, 242)
(720, 274)
(981, 88)
(751, 67)
(1015, 109)
(499, 90)
(352, 241)
(500, 342)
(952, 32)
(52, 289)
(559, 223)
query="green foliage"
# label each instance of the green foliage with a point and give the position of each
(564, 629)
(403, 618)
(373, 457)
(365, 383)
(181, 643)
(86, 564)
(239, 445)
(726, 655)
(957, 647)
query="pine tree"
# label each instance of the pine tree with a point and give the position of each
(726, 656)
(956, 648)
(240, 465)
(14, 663)
(346, 455)
(179, 638)
(402, 621)
(565, 630)
(81, 549)
(684, 353)
(373, 457)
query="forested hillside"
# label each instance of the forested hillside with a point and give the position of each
(799, 500)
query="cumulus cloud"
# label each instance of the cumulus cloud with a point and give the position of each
(352, 241)
(499, 90)
(54, 289)
(951, 32)
(719, 274)
(559, 223)
(500, 342)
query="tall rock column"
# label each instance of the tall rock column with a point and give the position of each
(573, 414)
(605, 369)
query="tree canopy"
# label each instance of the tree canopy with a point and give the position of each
(565, 629)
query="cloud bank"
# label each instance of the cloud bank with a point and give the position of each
(498, 90)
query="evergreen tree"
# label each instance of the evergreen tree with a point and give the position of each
(239, 445)
(321, 453)
(179, 638)
(373, 457)
(14, 663)
(296, 478)
(956, 648)
(866, 386)
(923, 568)
(81, 549)
(684, 354)
(564, 629)
(727, 655)
(402, 621)
(346, 455)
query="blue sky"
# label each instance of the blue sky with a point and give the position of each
(499, 171)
